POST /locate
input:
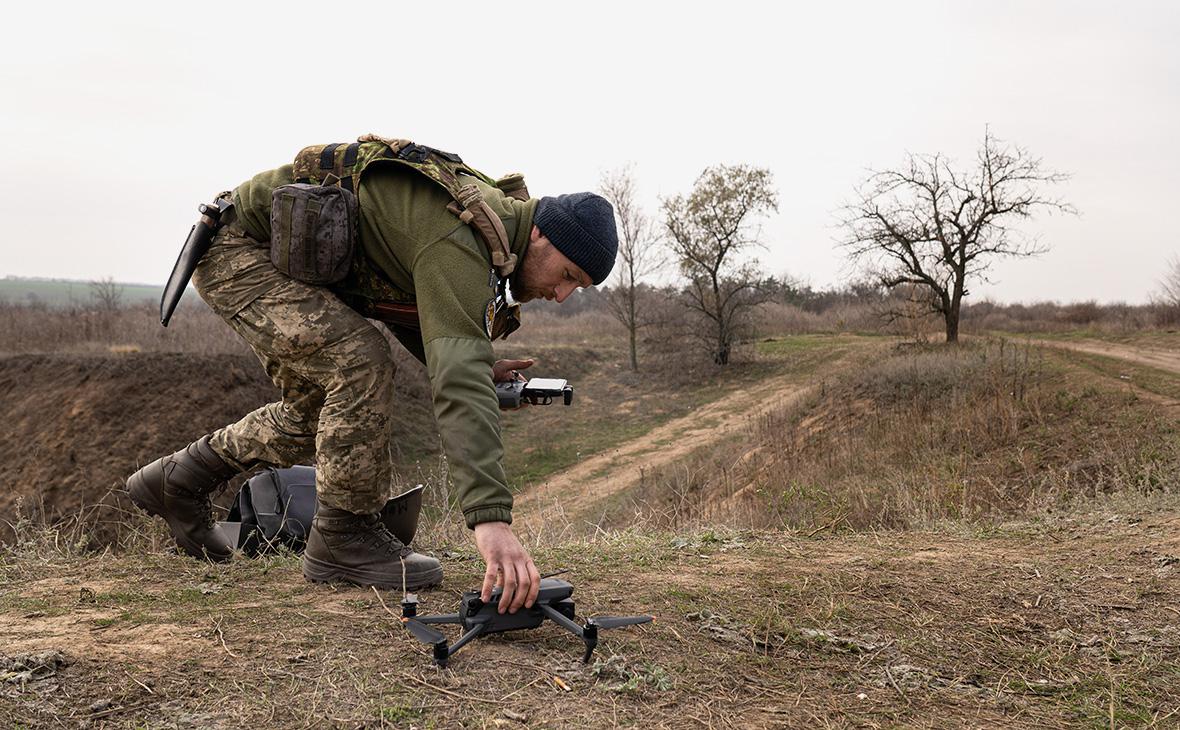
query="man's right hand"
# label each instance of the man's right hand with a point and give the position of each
(508, 565)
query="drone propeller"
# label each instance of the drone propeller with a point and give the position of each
(614, 622)
(427, 635)
(590, 630)
(424, 633)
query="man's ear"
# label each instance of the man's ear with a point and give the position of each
(534, 235)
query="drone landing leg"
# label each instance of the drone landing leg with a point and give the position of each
(588, 633)
(590, 636)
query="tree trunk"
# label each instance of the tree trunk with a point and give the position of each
(721, 357)
(956, 303)
(952, 323)
(632, 324)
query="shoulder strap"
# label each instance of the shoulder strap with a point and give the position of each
(339, 164)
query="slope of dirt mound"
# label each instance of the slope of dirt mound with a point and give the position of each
(75, 426)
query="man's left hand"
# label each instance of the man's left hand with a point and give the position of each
(505, 371)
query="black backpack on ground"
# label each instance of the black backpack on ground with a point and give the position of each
(276, 507)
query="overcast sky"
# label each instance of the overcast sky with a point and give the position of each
(118, 118)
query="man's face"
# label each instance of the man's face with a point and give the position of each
(546, 273)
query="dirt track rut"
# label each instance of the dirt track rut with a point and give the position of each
(575, 490)
(1162, 359)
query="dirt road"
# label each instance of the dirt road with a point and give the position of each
(575, 490)
(1162, 359)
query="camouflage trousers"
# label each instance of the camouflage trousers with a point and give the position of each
(333, 366)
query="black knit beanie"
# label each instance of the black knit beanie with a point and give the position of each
(581, 226)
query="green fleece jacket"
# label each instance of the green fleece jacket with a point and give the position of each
(408, 234)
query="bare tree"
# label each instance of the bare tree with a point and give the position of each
(638, 255)
(106, 293)
(1169, 292)
(708, 231)
(937, 228)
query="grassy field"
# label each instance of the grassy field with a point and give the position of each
(838, 530)
(613, 405)
(1066, 620)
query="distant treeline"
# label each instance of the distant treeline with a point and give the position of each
(866, 306)
(99, 316)
(72, 293)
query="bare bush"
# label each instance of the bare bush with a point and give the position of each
(194, 329)
(106, 294)
(1116, 318)
(1167, 300)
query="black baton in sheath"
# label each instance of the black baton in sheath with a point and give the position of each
(200, 236)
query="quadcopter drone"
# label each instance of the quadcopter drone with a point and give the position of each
(480, 619)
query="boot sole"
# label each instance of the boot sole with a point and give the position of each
(317, 571)
(145, 498)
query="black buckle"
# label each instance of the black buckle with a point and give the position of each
(414, 153)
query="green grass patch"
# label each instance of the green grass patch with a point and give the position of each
(793, 344)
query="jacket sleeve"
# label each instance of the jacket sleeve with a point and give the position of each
(453, 288)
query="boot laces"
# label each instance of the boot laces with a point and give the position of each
(201, 500)
(207, 511)
(379, 536)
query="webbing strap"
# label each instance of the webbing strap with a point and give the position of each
(491, 229)
(327, 157)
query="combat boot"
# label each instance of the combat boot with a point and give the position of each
(358, 549)
(178, 488)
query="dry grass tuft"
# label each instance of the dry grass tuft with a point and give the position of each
(926, 434)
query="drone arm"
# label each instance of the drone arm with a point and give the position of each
(475, 631)
(587, 633)
(560, 619)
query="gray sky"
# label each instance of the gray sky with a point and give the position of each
(118, 117)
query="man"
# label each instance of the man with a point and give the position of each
(336, 373)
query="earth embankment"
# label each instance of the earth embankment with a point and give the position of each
(76, 425)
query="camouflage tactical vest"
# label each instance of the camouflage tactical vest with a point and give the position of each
(343, 165)
(365, 288)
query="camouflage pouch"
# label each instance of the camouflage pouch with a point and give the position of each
(313, 231)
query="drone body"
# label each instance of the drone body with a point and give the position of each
(478, 618)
